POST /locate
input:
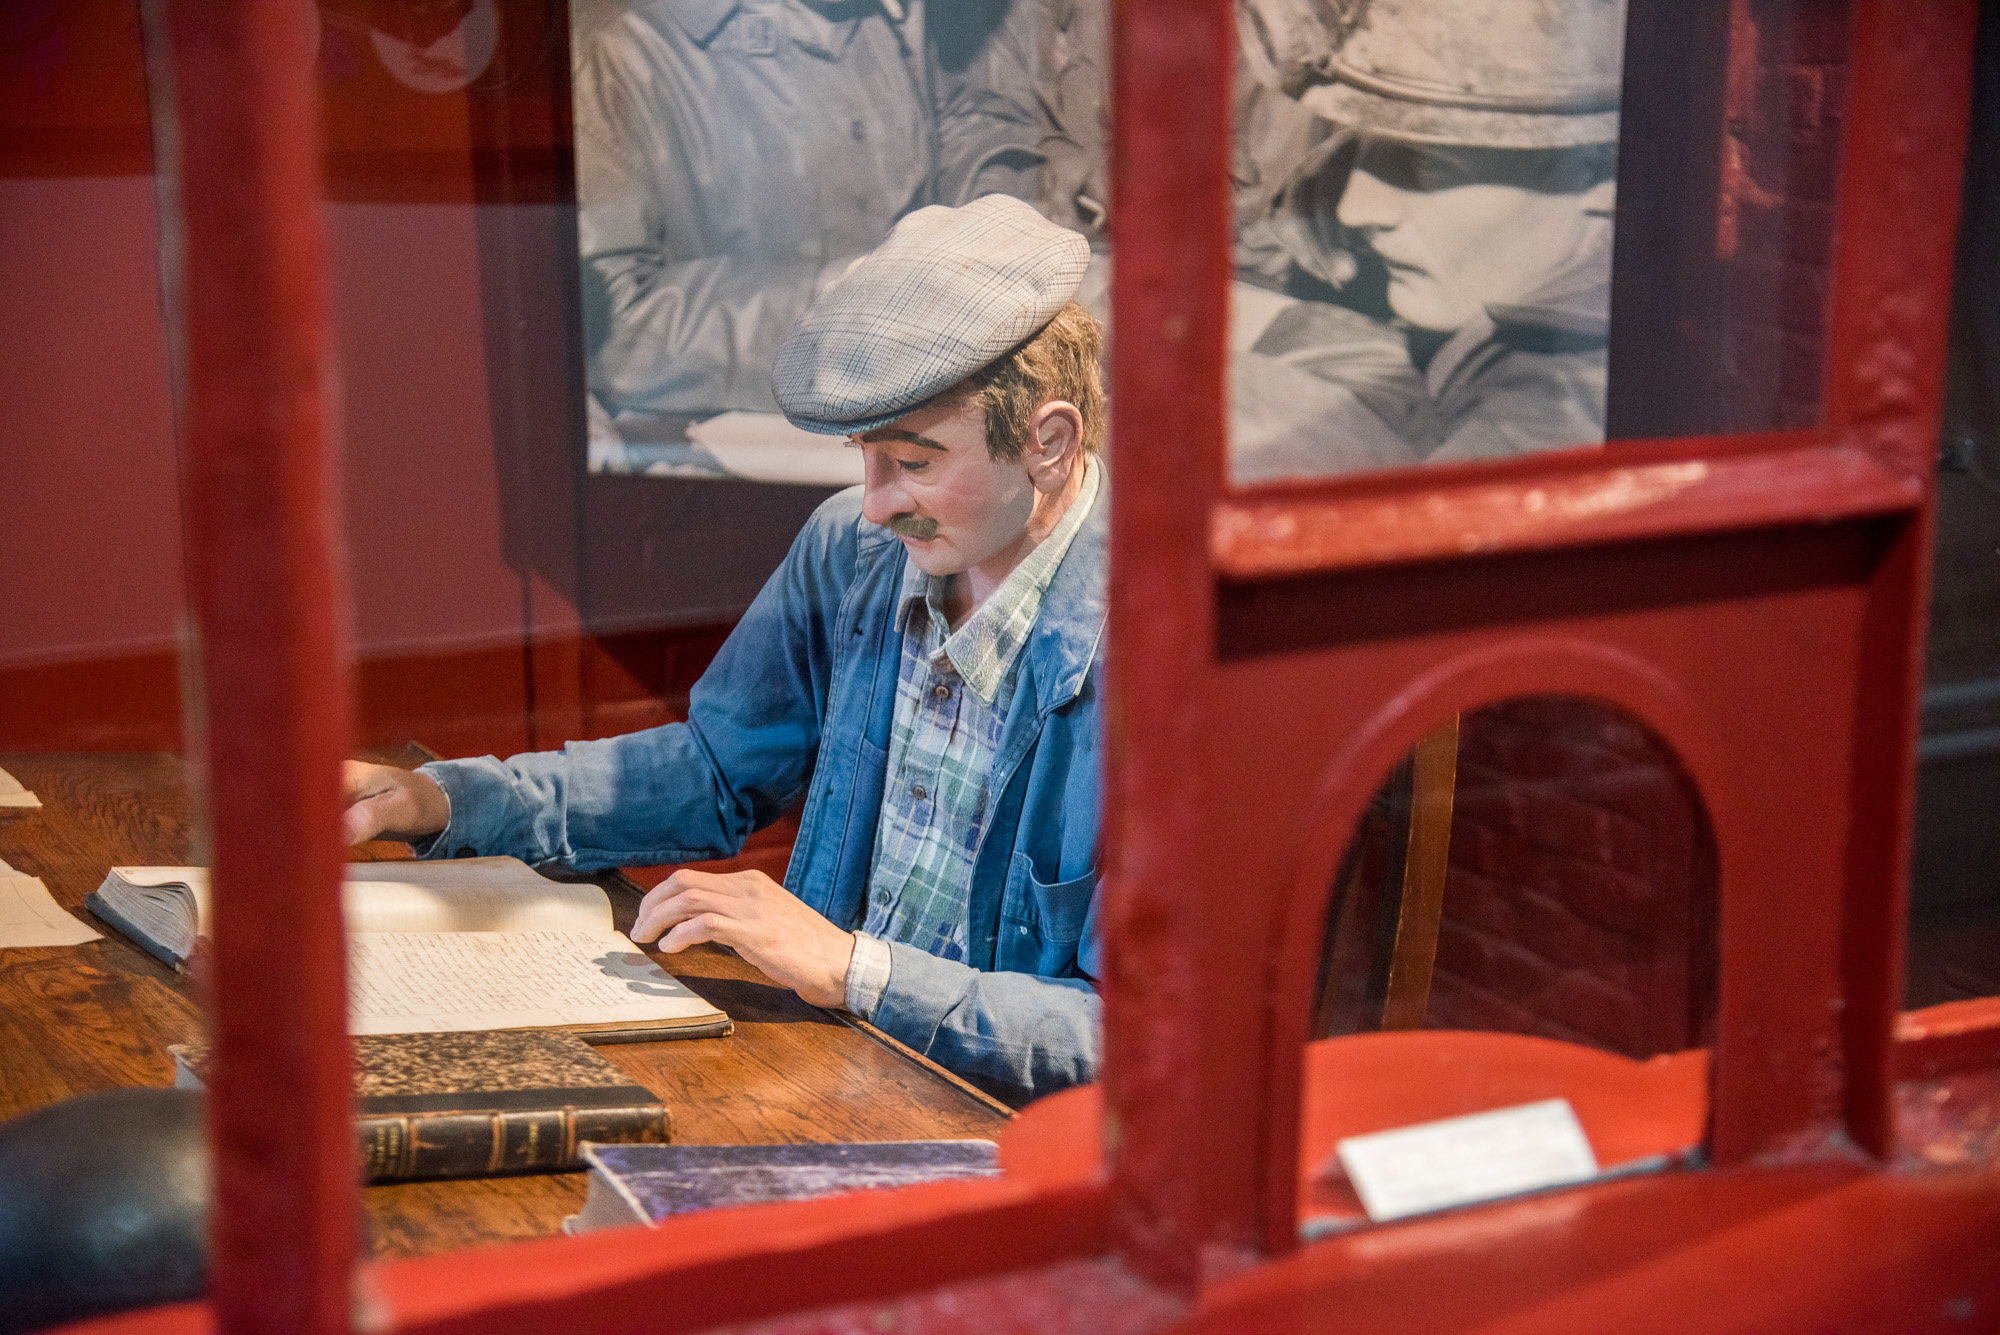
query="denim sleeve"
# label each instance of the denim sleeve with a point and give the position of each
(686, 791)
(1017, 1034)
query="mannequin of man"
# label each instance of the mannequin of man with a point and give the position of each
(923, 669)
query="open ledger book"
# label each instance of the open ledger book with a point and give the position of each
(438, 947)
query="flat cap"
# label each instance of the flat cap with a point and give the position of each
(949, 292)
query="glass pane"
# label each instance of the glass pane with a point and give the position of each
(1476, 231)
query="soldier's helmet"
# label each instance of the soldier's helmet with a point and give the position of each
(1476, 73)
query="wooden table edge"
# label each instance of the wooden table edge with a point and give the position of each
(896, 1045)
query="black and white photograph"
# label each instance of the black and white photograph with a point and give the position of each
(733, 159)
(1426, 197)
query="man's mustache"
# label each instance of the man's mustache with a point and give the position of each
(921, 527)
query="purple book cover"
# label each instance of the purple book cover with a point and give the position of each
(660, 1180)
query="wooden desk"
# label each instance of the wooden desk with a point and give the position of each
(97, 1016)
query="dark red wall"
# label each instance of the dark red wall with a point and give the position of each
(460, 640)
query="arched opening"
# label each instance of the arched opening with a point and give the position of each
(1526, 911)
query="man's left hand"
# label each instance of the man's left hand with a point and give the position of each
(760, 919)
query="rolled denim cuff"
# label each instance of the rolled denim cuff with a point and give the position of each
(867, 975)
(474, 792)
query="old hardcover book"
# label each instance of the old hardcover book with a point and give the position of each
(437, 947)
(479, 1104)
(643, 1184)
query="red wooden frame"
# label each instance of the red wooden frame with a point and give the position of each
(261, 518)
(1757, 601)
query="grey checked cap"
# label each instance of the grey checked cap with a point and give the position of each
(949, 292)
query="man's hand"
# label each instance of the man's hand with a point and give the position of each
(764, 922)
(384, 802)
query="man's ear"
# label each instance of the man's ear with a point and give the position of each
(1055, 445)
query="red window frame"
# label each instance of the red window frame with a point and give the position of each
(1671, 554)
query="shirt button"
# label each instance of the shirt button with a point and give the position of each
(917, 791)
(943, 692)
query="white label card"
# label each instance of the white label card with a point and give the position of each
(1436, 1165)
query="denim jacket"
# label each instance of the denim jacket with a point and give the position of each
(799, 700)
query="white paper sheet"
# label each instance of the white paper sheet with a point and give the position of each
(421, 982)
(12, 794)
(30, 916)
(766, 448)
(1436, 1165)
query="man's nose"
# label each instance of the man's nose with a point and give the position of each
(882, 495)
(1369, 201)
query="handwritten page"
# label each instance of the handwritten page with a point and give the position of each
(30, 916)
(12, 794)
(1437, 1165)
(419, 982)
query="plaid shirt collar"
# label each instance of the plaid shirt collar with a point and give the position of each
(983, 650)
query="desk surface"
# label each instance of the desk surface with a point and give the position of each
(100, 1015)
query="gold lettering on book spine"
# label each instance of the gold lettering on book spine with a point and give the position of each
(387, 1148)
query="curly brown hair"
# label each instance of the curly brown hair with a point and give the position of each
(1060, 362)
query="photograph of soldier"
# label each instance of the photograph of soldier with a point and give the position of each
(1424, 195)
(1431, 281)
(735, 156)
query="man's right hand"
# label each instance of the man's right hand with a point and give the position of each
(384, 802)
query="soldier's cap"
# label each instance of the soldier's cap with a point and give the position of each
(1477, 73)
(950, 292)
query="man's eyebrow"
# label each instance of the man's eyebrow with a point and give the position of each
(882, 433)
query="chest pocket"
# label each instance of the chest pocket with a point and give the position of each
(1043, 924)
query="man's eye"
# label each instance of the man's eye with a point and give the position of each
(913, 465)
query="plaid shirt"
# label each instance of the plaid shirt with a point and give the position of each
(953, 691)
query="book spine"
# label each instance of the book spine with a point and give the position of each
(396, 1148)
